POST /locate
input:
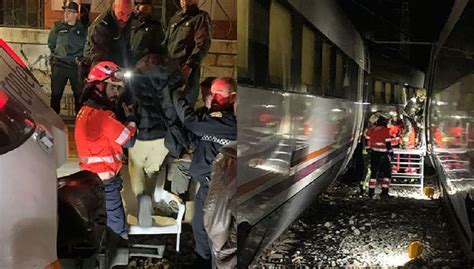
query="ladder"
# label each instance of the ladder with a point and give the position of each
(408, 168)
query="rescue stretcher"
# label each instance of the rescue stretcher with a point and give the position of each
(408, 168)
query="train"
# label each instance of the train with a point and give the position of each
(450, 121)
(33, 143)
(305, 90)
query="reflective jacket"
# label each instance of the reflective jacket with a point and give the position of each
(188, 37)
(395, 131)
(380, 139)
(99, 140)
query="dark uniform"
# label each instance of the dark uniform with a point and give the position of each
(66, 42)
(214, 131)
(146, 38)
(187, 40)
(107, 41)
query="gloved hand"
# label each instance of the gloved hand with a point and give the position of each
(129, 113)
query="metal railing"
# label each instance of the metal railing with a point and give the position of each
(22, 13)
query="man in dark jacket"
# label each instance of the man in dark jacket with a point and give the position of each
(187, 40)
(109, 36)
(66, 41)
(147, 33)
(215, 128)
(154, 80)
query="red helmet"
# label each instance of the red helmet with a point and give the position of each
(107, 72)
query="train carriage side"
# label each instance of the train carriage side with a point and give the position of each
(301, 69)
(32, 145)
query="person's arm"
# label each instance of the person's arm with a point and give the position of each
(116, 131)
(98, 43)
(205, 124)
(52, 39)
(202, 39)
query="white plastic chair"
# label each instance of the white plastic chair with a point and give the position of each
(161, 195)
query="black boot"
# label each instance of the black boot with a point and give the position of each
(371, 193)
(384, 193)
(201, 263)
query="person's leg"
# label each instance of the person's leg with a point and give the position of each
(77, 87)
(387, 173)
(179, 177)
(200, 235)
(373, 173)
(58, 82)
(114, 206)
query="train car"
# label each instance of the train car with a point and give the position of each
(33, 143)
(301, 69)
(451, 119)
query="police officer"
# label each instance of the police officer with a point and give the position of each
(109, 36)
(99, 138)
(215, 128)
(66, 41)
(187, 40)
(147, 33)
(381, 149)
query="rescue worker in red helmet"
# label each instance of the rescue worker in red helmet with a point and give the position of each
(100, 136)
(381, 149)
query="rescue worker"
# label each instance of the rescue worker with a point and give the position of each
(66, 42)
(380, 145)
(109, 36)
(99, 138)
(456, 133)
(187, 40)
(155, 78)
(147, 33)
(414, 112)
(396, 128)
(215, 128)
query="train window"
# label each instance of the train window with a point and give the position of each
(378, 92)
(307, 57)
(15, 125)
(243, 37)
(327, 69)
(318, 58)
(339, 76)
(388, 93)
(280, 45)
(368, 88)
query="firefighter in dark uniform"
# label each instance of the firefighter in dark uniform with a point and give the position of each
(381, 150)
(213, 128)
(147, 33)
(66, 41)
(187, 40)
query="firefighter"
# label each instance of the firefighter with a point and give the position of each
(146, 33)
(155, 77)
(380, 145)
(99, 138)
(187, 40)
(215, 128)
(396, 129)
(414, 112)
(66, 42)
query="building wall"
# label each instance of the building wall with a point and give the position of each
(30, 44)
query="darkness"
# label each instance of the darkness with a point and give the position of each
(396, 20)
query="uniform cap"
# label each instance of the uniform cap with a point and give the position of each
(71, 6)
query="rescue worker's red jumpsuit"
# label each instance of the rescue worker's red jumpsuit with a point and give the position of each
(380, 145)
(99, 139)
